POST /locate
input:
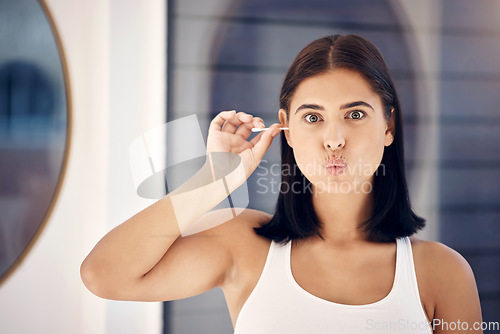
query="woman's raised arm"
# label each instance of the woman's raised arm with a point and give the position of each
(146, 258)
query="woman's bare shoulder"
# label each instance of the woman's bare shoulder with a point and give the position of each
(235, 221)
(229, 220)
(438, 257)
(249, 218)
(441, 272)
(446, 282)
(243, 229)
(237, 233)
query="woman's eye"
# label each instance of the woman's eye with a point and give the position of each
(312, 118)
(357, 114)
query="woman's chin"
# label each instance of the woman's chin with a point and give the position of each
(335, 185)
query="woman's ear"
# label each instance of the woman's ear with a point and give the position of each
(390, 129)
(282, 115)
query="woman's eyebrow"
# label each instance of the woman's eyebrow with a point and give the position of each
(356, 104)
(344, 106)
(310, 106)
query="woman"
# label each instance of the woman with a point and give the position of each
(337, 256)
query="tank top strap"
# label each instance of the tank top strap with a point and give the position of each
(409, 276)
(276, 258)
(407, 265)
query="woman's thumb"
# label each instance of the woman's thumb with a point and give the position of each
(265, 140)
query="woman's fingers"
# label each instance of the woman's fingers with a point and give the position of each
(245, 130)
(261, 145)
(233, 123)
(241, 124)
(229, 132)
(218, 121)
(256, 139)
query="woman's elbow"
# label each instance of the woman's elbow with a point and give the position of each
(93, 280)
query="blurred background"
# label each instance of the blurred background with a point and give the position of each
(79, 81)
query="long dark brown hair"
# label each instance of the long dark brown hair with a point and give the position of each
(393, 216)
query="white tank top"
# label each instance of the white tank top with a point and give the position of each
(279, 305)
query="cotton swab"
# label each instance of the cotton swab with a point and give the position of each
(264, 129)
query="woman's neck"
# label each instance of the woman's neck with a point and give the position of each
(342, 214)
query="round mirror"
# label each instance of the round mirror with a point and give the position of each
(34, 126)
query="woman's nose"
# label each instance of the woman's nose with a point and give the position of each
(334, 138)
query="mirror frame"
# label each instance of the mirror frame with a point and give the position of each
(62, 173)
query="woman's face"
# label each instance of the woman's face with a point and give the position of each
(337, 131)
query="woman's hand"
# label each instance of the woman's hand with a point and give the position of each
(229, 132)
